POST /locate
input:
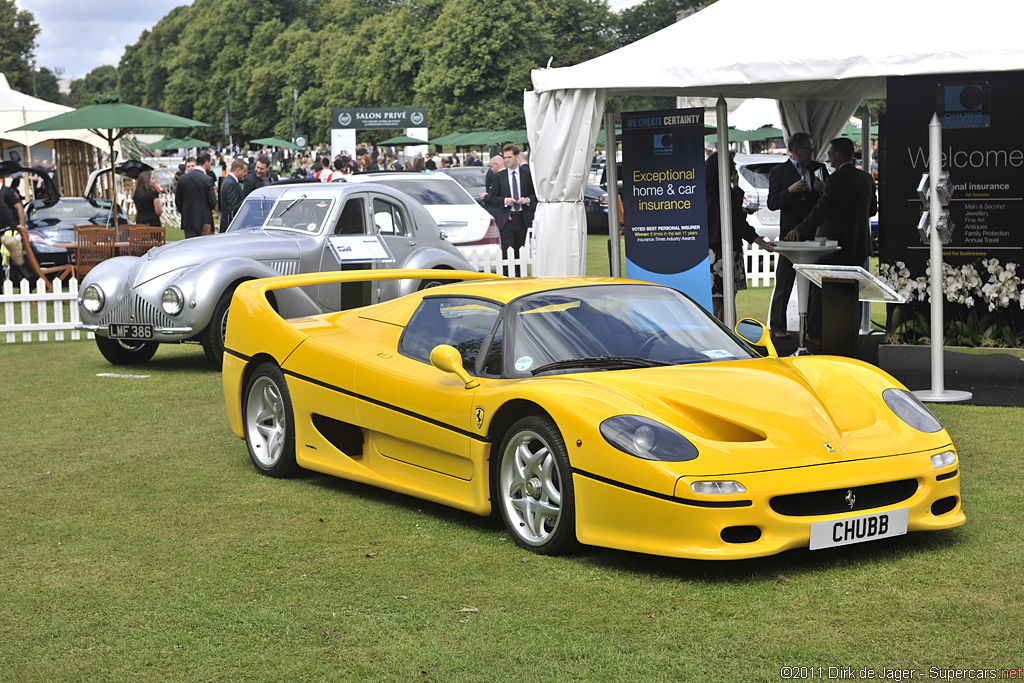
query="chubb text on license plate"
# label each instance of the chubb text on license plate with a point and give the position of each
(859, 529)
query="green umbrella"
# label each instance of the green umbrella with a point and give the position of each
(403, 140)
(165, 144)
(191, 143)
(450, 139)
(110, 118)
(273, 142)
(854, 131)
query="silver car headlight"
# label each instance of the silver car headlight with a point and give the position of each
(92, 298)
(644, 438)
(910, 409)
(172, 301)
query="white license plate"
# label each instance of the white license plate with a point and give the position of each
(130, 331)
(852, 530)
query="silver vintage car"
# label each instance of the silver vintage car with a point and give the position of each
(181, 292)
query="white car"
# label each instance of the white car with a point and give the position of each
(753, 171)
(465, 224)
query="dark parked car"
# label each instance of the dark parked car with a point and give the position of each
(595, 200)
(53, 221)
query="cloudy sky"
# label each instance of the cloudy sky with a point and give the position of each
(79, 36)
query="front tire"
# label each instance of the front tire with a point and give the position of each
(269, 423)
(123, 352)
(533, 481)
(212, 338)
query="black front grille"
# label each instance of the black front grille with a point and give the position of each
(838, 500)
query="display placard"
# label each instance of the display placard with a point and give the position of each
(664, 202)
(360, 249)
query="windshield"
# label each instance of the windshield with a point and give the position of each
(428, 190)
(299, 212)
(606, 327)
(471, 179)
(52, 210)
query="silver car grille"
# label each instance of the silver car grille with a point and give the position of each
(135, 309)
(290, 267)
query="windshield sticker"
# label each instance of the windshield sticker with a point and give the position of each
(524, 364)
(717, 353)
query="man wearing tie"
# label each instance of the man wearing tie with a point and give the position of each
(793, 190)
(514, 196)
(231, 193)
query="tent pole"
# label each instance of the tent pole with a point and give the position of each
(725, 205)
(938, 391)
(865, 157)
(612, 177)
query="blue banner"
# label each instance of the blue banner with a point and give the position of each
(663, 200)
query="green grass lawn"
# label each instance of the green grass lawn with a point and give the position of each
(139, 544)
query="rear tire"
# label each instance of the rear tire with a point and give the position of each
(269, 423)
(120, 352)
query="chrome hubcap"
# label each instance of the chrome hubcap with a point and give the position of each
(531, 488)
(265, 421)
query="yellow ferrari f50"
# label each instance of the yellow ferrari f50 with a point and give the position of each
(591, 411)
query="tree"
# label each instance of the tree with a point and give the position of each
(477, 61)
(17, 57)
(47, 87)
(650, 16)
(100, 81)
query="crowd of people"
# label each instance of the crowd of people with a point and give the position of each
(241, 175)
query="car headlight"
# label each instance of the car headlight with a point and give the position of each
(647, 439)
(92, 298)
(172, 301)
(944, 459)
(910, 409)
(717, 487)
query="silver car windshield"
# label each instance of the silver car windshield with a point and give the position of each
(614, 328)
(300, 213)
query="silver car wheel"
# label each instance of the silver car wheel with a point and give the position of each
(266, 422)
(531, 488)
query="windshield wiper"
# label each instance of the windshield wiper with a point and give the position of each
(601, 362)
(293, 203)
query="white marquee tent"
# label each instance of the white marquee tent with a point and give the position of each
(820, 64)
(17, 109)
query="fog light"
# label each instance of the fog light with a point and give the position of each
(172, 301)
(723, 487)
(92, 298)
(943, 460)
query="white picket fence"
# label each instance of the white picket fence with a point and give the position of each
(760, 265)
(42, 314)
(491, 260)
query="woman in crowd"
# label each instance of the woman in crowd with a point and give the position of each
(148, 205)
(741, 230)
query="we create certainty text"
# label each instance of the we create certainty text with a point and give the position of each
(664, 191)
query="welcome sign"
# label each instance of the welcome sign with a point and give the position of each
(389, 117)
(663, 200)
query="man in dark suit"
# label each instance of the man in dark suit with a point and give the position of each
(260, 176)
(843, 213)
(793, 189)
(231, 193)
(513, 195)
(195, 198)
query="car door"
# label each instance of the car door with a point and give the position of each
(353, 219)
(415, 413)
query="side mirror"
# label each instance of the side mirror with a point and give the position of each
(447, 358)
(756, 334)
